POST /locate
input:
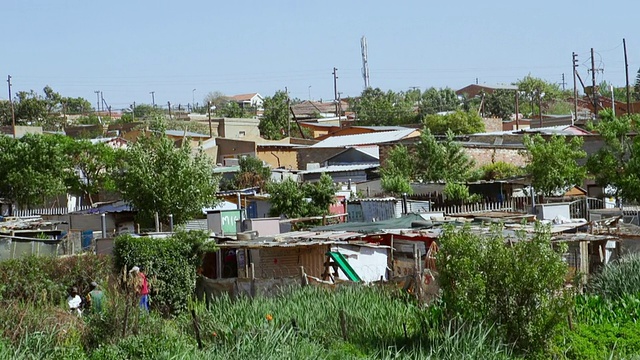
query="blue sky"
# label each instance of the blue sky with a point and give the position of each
(127, 48)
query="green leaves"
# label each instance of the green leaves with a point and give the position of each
(553, 163)
(275, 120)
(459, 122)
(441, 161)
(158, 177)
(290, 199)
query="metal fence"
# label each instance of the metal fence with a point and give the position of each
(49, 211)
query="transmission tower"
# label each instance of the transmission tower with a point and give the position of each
(365, 64)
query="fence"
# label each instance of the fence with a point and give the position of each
(49, 211)
(579, 209)
(520, 204)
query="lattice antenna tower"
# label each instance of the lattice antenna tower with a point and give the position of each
(365, 64)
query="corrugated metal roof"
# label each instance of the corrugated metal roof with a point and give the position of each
(183, 133)
(339, 168)
(363, 139)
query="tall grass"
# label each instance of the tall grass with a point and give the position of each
(618, 278)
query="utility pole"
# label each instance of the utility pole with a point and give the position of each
(517, 109)
(209, 115)
(13, 113)
(335, 89)
(193, 98)
(97, 100)
(153, 98)
(365, 61)
(133, 112)
(593, 82)
(563, 83)
(575, 88)
(286, 91)
(169, 106)
(626, 71)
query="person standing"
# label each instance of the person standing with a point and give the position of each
(74, 301)
(95, 298)
(141, 287)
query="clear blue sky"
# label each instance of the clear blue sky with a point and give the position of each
(128, 48)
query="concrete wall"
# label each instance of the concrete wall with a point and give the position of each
(278, 156)
(232, 128)
(315, 155)
(264, 226)
(492, 124)
(490, 154)
(234, 148)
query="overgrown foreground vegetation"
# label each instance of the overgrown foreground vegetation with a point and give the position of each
(496, 304)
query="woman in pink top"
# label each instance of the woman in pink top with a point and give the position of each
(142, 287)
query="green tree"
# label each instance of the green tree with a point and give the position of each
(615, 163)
(397, 171)
(441, 161)
(217, 99)
(75, 106)
(253, 173)
(293, 200)
(517, 287)
(636, 87)
(275, 120)
(459, 193)
(158, 177)
(500, 170)
(553, 164)
(538, 92)
(146, 112)
(435, 100)
(501, 103)
(95, 164)
(376, 107)
(35, 168)
(231, 110)
(459, 122)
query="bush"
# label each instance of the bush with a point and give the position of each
(169, 263)
(45, 280)
(517, 287)
(618, 278)
(500, 170)
(459, 193)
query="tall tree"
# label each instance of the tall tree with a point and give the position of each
(253, 173)
(376, 107)
(158, 177)
(35, 168)
(95, 164)
(553, 163)
(441, 161)
(501, 103)
(438, 100)
(614, 164)
(636, 87)
(397, 171)
(294, 200)
(275, 120)
(538, 92)
(459, 122)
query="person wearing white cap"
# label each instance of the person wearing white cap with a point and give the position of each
(142, 287)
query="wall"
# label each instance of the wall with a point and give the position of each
(368, 262)
(279, 262)
(233, 128)
(278, 156)
(223, 222)
(483, 155)
(264, 226)
(492, 124)
(234, 148)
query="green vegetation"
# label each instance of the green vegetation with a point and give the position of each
(253, 173)
(499, 170)
(459, 194)
(274, 123)
(458, 122)
(294, 200)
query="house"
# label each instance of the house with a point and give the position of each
(246, 101)
(276, 153)
(319, 129)
(20, 130)
(318, 109)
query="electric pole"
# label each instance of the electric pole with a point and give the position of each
(97, 100)
(563, 83)
(169, 106)
(365, 61)
(13, 113)
(209, 115)
(575, 88)
(593, 82)
(626, 71)
(153, 98)
(335, 90)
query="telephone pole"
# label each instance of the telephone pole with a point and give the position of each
(593, 82)
(13, 113)
(153, 98)
(575, 88)
(563, 82)
(335, 89)
(97, 100)
(169, 106)
(626, 71)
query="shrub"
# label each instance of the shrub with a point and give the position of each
(500, 170)
(45, 280)
(170, 264)
(618, 278)
(517, 287)
(459, 193)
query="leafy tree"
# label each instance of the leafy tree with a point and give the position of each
(517, 287)
(146, 111)
(553, 163)
(253, 173)
(158, 177)
(397, 171)
(287, 199)
(501, 103)
(75, 106)
(538, 91)
(375, 107)
(441, 161)
(459, 122)
(231, 110)
(95, 164)
(459, 193)
(275, 120)
(29, 108)
(615, 163)
(5, 113)
(292, 200)
(34, 168)
(500, 170)
(217, 99)
(438, 100)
